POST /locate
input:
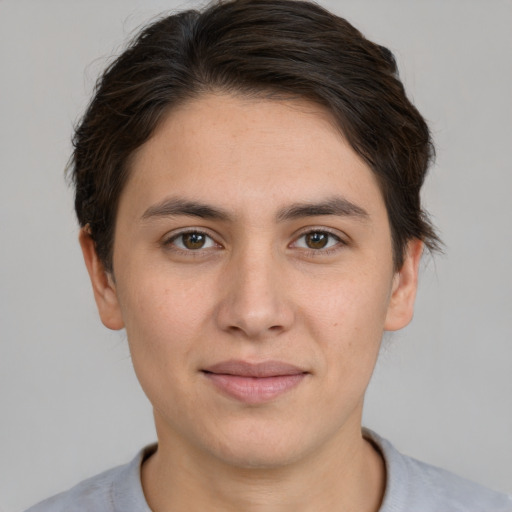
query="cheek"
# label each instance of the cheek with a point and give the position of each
(344, 323)
(155, 299)
(347, 320)
(161, 328)
(348, 309)
(163, 320)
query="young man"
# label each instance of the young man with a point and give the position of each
(247, 184)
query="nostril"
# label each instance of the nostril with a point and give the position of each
(254, 331)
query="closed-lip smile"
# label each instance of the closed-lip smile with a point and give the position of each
(254, 383)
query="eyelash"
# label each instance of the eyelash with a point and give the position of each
(170, 243)
(309, 252)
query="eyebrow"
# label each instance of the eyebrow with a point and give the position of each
(175, 207)
(338, 206)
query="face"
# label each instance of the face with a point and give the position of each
(253, 272)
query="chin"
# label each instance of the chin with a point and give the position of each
(261, 446)
(260, 457)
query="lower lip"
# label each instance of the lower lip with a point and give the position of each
(254, 390)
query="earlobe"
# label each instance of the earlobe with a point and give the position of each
(102, 283)
(405, 284)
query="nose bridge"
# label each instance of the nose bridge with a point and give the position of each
(254, 302)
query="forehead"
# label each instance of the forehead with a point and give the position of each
(240, 151)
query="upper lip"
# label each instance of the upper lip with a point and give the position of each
(246, 369)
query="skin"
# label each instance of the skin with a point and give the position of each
(257, 290)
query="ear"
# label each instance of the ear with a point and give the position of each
(405, 283)
(102, 283)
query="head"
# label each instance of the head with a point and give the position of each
(248, 181)
(257, 48)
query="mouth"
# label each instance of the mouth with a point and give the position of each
(254, 383)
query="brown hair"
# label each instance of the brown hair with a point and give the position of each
(294, 48)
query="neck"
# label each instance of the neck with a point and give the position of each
(348, 474)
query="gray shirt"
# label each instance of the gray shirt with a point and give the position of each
(411, 486)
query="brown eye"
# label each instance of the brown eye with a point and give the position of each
(193, 241)
(320, 241)
(316, 239)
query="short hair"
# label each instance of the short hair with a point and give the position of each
(262, 48)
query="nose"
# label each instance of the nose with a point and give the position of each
(255, 301)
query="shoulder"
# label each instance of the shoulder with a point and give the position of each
(414, 485)
(116, 490)
(92, 494)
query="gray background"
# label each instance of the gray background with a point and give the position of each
(70, 406)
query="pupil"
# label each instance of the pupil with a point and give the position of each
(193, 240)
(316, 240)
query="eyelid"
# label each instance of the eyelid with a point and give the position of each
(342, 240)
(168, 239)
